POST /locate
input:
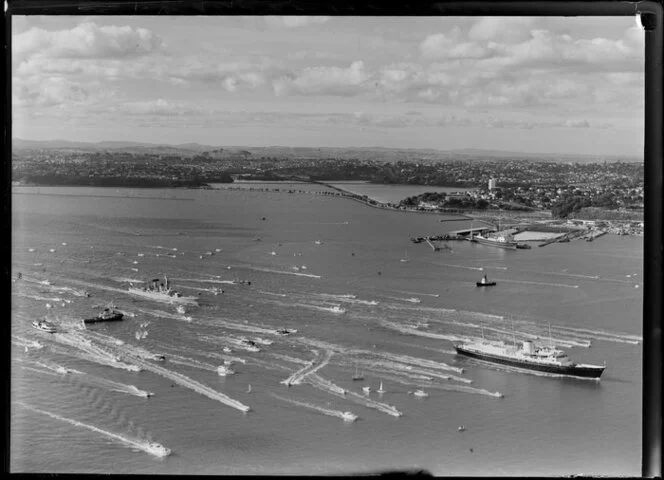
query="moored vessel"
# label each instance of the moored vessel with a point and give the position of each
(500, 240)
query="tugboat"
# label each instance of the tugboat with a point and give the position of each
(485, 282)
(108, 314)
(45, 326)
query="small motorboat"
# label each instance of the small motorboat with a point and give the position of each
(366, 389)
(461, 428)
(420, 393)
(349, 416)
(223, 370)
(45, 326)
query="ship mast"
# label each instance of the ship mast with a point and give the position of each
(513, 334)
(550, 339)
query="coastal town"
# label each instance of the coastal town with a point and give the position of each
(606, 195)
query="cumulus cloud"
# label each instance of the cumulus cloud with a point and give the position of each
(324, 81)
(54, 91)
(159, 107)
(87, 40)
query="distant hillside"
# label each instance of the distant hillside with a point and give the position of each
(378, 154)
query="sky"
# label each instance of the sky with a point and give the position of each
(530, 84)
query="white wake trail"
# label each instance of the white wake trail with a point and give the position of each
(194, 385)
(326, 411)
(149, 447)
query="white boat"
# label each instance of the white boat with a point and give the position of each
(263, 341)
(366, 389)
(223, 370)
(161, 292)
(405, 258)
(45, 326)
(461, 428)
(227, 350)
(249, 389)
(158, 449)
(381, 389)
(337, 309)
(180, 309)
(413, 300)
(349, 416)
(420, 393)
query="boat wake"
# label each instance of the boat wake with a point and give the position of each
(544, 284)
(152, 448)
(193, 385)
(281, 272)
(346, 416)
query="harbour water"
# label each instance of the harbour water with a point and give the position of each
(330, 268)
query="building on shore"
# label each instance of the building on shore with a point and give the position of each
(492, 184)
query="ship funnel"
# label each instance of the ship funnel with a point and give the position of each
(528, 348)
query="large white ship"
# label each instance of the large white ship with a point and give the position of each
(531, 357)
(161, 292)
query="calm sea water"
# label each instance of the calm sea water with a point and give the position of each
(304, 255)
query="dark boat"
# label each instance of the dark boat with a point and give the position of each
(357, 376)
(485, 282)
(108, 314)
(530, 357)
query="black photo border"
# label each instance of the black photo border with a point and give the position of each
(652, 19)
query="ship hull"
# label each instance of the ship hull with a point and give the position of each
(588, 371)
(164, 298)
(114, 318)
(494, 243)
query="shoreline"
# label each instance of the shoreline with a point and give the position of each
(543, 218)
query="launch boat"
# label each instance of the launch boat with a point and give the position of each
(108, 314)
(161, 292)
(528, 356)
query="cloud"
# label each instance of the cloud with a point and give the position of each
(87, 40)
(55, 92)
(324, 81)
(159, 107)
(501, 29)
(292, 21)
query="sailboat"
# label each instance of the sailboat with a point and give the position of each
(249, 388)
(405, 258)
(380, 389)
(358, 375)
